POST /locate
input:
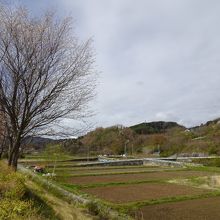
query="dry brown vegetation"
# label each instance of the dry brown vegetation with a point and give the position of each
(138, 192)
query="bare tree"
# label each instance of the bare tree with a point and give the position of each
(45, 75)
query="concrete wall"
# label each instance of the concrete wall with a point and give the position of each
(115, 163)
(149, 161)
(130, 162)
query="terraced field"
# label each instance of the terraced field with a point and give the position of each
(139, 192)
(143, 192)
(202, 209)
(148, 175)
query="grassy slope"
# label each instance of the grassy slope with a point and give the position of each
(22, 198)
(17, 202)
(63, 209)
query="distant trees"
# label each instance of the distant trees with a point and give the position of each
(45, 75)
(154, 127)
(177, 140)
(109, 140)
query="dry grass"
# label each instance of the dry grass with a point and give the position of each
(62, 209)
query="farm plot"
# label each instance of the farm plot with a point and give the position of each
(103, 171)
(47, 163)
(133, 177)
(202, 209)
(58, 161)
(140, 189)
(81, 168)
(139, 192)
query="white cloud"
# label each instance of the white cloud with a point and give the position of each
(159, 59)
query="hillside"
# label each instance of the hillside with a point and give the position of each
(37, 143)
(164, 138)
(154, 127)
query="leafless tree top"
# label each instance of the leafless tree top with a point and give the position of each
(45, 73)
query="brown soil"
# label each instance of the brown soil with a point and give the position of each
(138, 192)
(106, 171)
(199, 209)
(135, 177)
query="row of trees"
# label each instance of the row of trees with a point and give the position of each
(46, 75)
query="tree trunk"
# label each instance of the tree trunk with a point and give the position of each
(10, 156)
(1, 152)
(15, 161)
(14, 154)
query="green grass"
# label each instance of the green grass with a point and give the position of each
(205, 168)
(213, 162)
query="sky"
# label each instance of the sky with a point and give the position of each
(157, 60)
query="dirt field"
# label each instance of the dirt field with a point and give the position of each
(106, 171)
(138, 192)
(199, 209)
(135, 177)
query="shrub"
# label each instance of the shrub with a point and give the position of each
(12, 191)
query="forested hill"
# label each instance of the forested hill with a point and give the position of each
(143, 139)
(154, 127)
(109, 139)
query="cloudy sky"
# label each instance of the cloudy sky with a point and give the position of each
(158, 59)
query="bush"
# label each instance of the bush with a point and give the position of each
(13, 205)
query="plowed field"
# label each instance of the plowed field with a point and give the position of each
(134, 177)
(138, 192)
(199, 209)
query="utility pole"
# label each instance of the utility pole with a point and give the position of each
(125, 149)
